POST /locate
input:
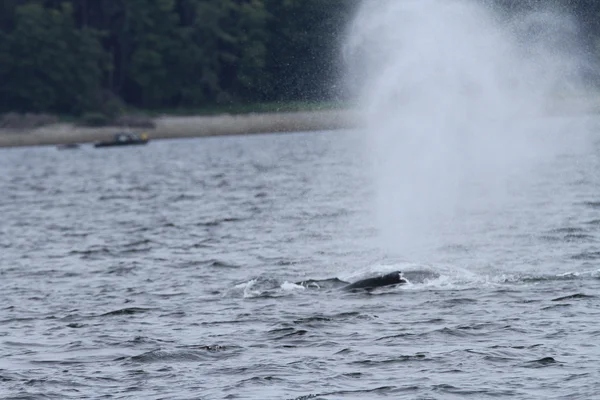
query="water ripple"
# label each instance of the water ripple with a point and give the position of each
(210, 269)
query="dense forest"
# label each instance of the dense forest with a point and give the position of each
(76, 56)
(70, 57)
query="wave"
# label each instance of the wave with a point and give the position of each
(418, 277)
(198, 353)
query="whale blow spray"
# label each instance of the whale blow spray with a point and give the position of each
(456, 97)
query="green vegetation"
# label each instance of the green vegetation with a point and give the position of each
(101, 58)
(246, 108)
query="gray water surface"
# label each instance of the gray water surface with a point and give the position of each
(169, 271)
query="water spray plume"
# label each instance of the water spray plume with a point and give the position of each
(456, 97)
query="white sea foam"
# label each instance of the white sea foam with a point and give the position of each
(290, 286)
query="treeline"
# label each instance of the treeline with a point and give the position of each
(77, 56)
(102, 56)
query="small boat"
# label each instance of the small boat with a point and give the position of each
(68, 146)
(124, 139)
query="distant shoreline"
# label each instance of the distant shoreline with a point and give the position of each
(170, 127)
(173, 126)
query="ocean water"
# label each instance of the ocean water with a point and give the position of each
(210, 269)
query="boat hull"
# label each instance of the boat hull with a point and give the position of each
(118, 144)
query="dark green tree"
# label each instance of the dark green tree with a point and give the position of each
(72, 56)
(49, 65)
(250, 77)
(303, 46)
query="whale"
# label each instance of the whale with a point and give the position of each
(393, 278)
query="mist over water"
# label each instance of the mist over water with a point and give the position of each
(453, 94)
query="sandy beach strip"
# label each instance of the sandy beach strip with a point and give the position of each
(169, 127)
